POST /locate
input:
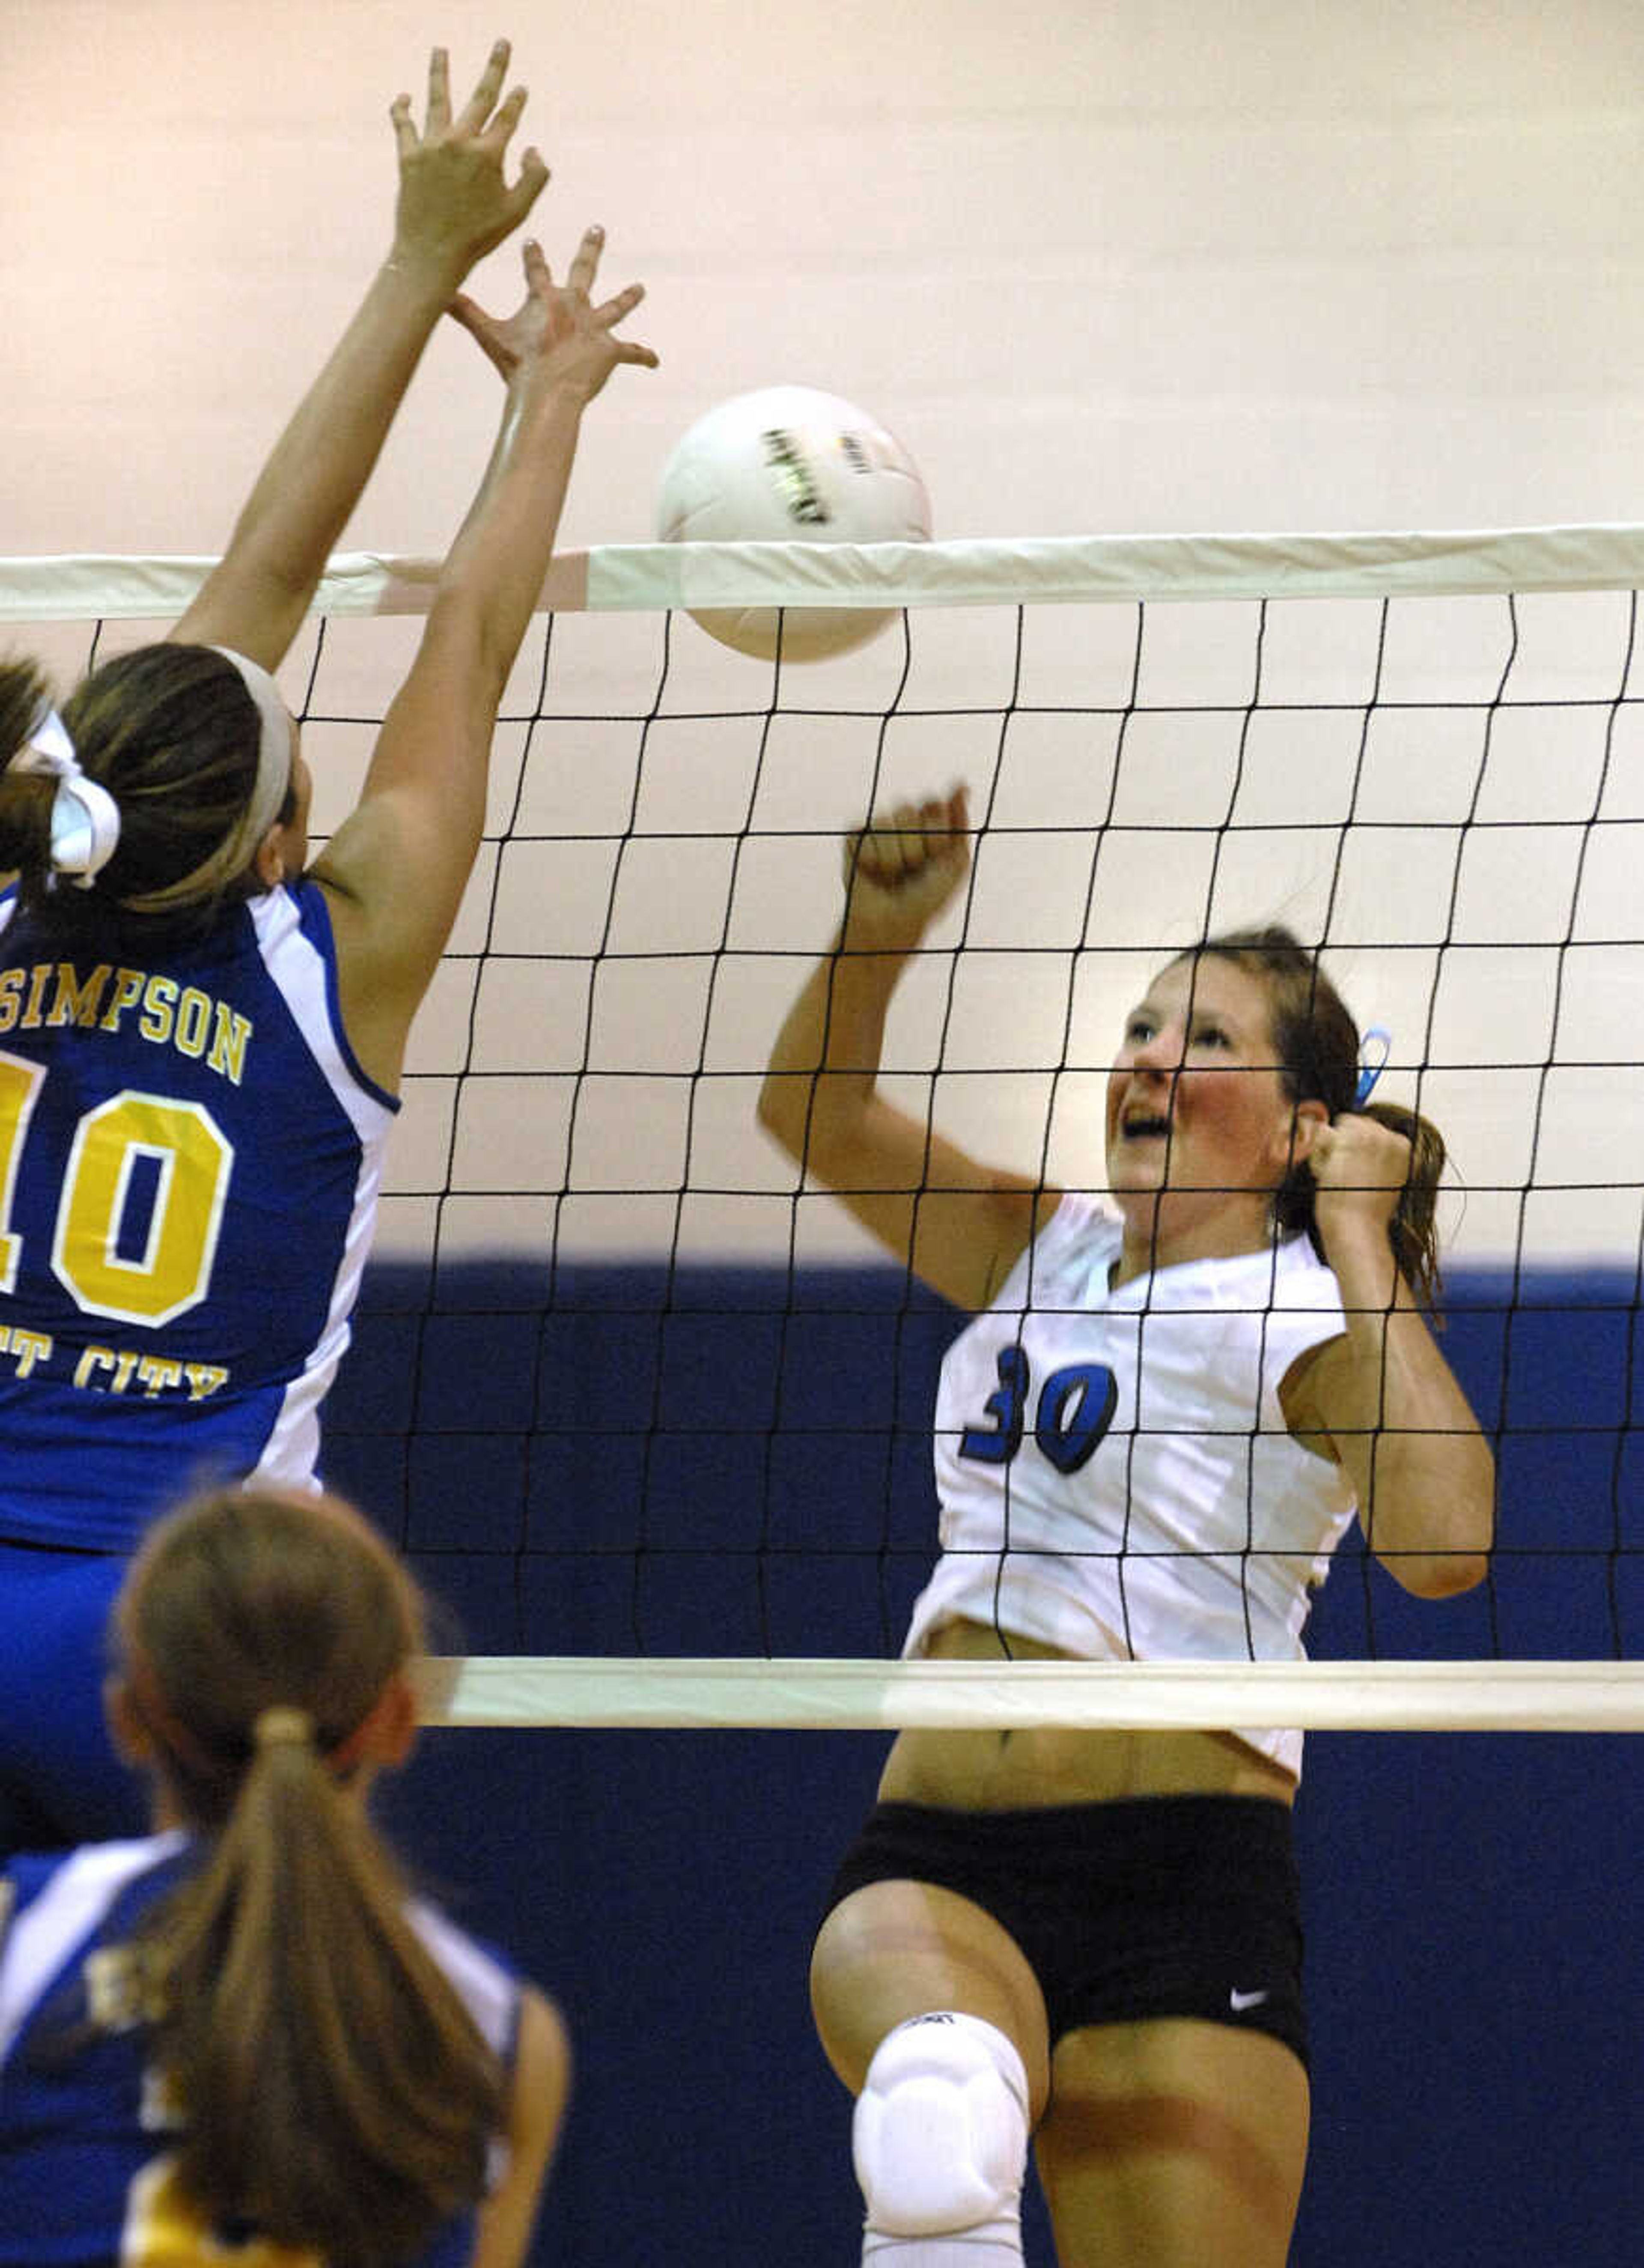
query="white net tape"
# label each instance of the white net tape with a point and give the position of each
(1046, 571)
(834, 1695)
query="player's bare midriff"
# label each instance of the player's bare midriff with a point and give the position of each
(997, 1771)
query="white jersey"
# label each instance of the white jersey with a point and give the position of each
(1116, 1475)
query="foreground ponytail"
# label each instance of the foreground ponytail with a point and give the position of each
(335, 2093)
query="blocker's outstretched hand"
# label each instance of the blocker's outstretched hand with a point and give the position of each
(455, 202)
(559, 333)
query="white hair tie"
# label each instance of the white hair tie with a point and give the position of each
(84, 817)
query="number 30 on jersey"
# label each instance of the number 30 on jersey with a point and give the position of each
(1074, 1409)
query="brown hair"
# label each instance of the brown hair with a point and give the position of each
(338, 2094)
(173, 733)
(1317, 1044)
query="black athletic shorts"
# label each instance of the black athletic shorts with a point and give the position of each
(1149, 1906)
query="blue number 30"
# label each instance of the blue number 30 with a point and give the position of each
(1075, 1408)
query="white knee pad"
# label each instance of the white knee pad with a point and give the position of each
(940, 2137)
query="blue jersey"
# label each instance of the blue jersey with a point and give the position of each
(189, 1164)
(87, 2175)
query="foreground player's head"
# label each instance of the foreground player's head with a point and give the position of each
(253, 1620)
(337, 2094)
(155, 791)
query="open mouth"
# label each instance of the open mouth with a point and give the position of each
(1145, 1126)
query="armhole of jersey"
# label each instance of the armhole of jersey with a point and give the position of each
(484, 1977)
(1315, 1325)
(313, 915)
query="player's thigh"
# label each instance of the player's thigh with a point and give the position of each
(896, 1949)
(1172, 2143)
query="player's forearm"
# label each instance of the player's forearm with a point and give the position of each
(1430, 1508)
(314, 474)
(494, 572)
(824, 1066)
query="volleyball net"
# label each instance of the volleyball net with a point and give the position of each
(649, 1413)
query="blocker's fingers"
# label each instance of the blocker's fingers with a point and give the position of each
(621, 303)
(585, 265)
(539, 275)
(438, 92)
(480, 103)
(499, 133)
(400, 118)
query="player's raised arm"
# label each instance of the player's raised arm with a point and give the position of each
(1383, 1396)
(454, 205)
(396, 871)
(958, 1224)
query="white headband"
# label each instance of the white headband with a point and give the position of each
(84, 817)
(274, 748)
(262, 808)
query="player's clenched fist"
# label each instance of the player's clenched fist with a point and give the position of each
(901, 869)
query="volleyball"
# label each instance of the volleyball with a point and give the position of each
(789, 464)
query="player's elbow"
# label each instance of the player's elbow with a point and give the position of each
(782, 1111)
(1436, 1574)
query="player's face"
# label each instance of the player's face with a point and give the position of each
(1198, 1107)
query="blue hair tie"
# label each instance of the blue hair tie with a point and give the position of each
(1373, 1050)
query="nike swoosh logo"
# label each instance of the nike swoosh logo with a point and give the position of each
(1238, 2001)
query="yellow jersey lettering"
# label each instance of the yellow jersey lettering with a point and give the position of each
(39, 976)
(26, 1348)
(229, 1036)
(92, 1359)
(112, 1370)
(49, 994)
(128, 990)
(157, 995)
(194, 1017)
(77, 999)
